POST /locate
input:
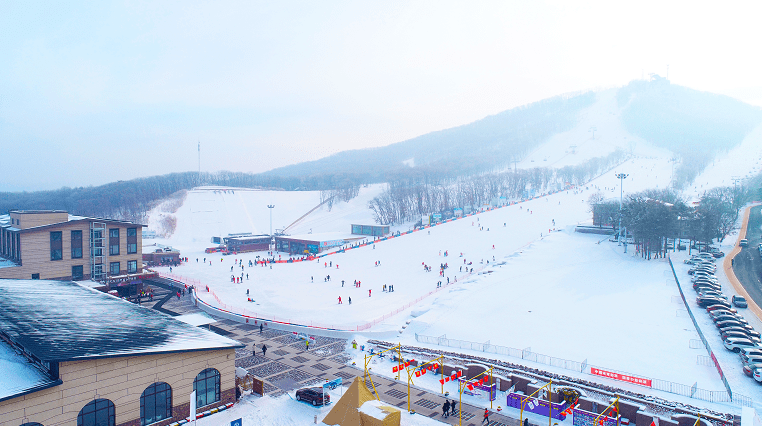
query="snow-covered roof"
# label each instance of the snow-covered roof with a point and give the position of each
(326, 236)
(19, 374)
(62, 321)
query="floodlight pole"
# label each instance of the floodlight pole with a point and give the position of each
(272, 245)
(621, 177)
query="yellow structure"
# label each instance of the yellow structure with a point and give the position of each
(358, 407)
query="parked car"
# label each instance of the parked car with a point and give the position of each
(721, 312)
(711, 293)
(754, 359)
(735, 344)
(313, 396)
(758, 375)
(730, 317)
(751, 351)
(739, 302)
(743, 243)
(707, 285)
(732, 323)
(720, 306)
(749, 369)
(693, 260)
(718, 254)
(726, 333)
(708, 268)
(705, 301)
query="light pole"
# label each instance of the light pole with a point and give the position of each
(621, 177)
(272, 239)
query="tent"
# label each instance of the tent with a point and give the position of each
(358, 407)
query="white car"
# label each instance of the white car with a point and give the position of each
(735, 344)
(758, 375)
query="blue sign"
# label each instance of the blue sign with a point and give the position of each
(333, 384)
(238, 422)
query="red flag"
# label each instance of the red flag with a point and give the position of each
(412, 360)
(460, 373)
(407, 364)
(470, 387)
(447, 379)
(441, 381)
(423, 371)
(429, 367)
(417, 374)
(394, 369)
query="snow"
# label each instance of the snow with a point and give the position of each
(374, 409)
(285, 411)
(18, 373)
(196, 319)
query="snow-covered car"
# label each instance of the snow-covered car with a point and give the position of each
(705, 256)
(754, 359)
(711, 293)
(739, 302)
(758, 375)
(707, 285)
(730, 317)
(727, 333)
(747, 352)
(735, 344)
(718, 306)
(706, 301)
(706, 268)
(749, 369)
(732, 323)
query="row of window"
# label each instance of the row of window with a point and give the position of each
(56, 243)
(115, 267)
(155, 402)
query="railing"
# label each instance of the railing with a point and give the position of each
(584, 367)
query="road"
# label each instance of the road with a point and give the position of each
(747, 264)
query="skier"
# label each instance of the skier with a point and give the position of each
(339, 300)
(342, 283)
(445, 408)
(350, 300)
(264, 350)
(368, 292)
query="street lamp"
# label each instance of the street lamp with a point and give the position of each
(621, 177)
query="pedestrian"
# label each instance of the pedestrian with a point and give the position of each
(254, 350)
(486, 416)
(350, 300)
(260, 328)
(339, 300)
(368, 292)
(445, 408)
(526, 422)
(264, 350)
(342, 283)
(452, 408)
(307, 342)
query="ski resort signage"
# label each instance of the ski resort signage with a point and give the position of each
(621, 377)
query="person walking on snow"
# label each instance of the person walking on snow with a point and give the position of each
(264, 350)
(350, 300)
(339, 300)
(445, 408)
(368, 292)
(486, 416)
(452, 408)
(260, 328)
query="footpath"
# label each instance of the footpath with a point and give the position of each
(288, 365)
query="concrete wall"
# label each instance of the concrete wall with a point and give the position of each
(121, 380)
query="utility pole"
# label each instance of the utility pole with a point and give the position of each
(272, 238)
(736, 179)
(621, 177)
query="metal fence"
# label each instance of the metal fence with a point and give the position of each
(690, 391)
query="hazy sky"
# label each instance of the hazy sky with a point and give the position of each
(92, 92)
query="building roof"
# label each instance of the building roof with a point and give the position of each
(323, 236)
(63, 321)
(5, 221)
(20, 376)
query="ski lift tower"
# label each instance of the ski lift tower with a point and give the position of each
(272, 237)
(621, 177)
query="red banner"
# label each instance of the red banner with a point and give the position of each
(621, 377)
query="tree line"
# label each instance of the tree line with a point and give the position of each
(408, 198)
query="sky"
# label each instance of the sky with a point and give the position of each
(96, 91)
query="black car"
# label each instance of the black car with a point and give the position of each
(739, 302)
(706, 301)
(752, 334)
(313, 396)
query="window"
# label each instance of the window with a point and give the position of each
(132, 240)
(76, 244)
(155, 403)
(132, 266)
(35, 276)
(113, 242)
(32, 424)
(77, 272)
(99, 412)
(56, 245)
(114, 268)
(207, 387)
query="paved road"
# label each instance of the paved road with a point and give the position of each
(288, 365)
(747, 264)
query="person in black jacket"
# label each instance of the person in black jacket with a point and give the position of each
(264, 350)
(445, 408)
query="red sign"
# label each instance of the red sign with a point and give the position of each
(621, 377)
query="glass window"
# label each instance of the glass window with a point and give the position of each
(132, 248)
(114, 268)
(132, 232)
(76, 244)
(113, 249)
(56, 245)
(113, 233)
(35, 276)
(207, 387)
(155, 403)
(77, 272)
(99, 412)
(132, 266)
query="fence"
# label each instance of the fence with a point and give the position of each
(690, 391)
(738, 399)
